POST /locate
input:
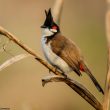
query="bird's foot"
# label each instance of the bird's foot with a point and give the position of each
(51, 70)
(64, 75)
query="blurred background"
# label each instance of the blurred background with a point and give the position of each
(20, 84)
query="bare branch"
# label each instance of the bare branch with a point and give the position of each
(52, 78)
(107, 86)
(83, 92)
(12, 60)
(57, 10)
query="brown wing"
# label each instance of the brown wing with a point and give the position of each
(67, 50)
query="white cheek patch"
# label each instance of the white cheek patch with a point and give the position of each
(47, 32)
(53, 30)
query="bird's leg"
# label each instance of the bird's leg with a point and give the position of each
(55, 69)
(58, 69)
(49, 71)
(63, 74)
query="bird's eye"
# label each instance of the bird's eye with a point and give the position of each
(54, 27)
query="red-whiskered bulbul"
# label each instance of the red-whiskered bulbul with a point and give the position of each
(61, 52)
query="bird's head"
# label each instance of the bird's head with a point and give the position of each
(49, 27)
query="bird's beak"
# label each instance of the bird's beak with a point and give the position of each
(43, 26)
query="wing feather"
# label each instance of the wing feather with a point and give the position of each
(68, 51)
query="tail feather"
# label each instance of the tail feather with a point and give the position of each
(93, 79)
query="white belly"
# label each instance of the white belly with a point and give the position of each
(53, 59)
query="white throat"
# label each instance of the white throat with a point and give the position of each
(47, 32)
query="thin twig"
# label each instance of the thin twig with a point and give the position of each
(12, 60)
(57, 10)
(107, 86)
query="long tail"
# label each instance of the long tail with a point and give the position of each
(93, 78)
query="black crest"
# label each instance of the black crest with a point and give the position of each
(49, 19)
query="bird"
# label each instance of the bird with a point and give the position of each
(61, 52)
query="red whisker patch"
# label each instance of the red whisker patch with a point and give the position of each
(54, 27)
